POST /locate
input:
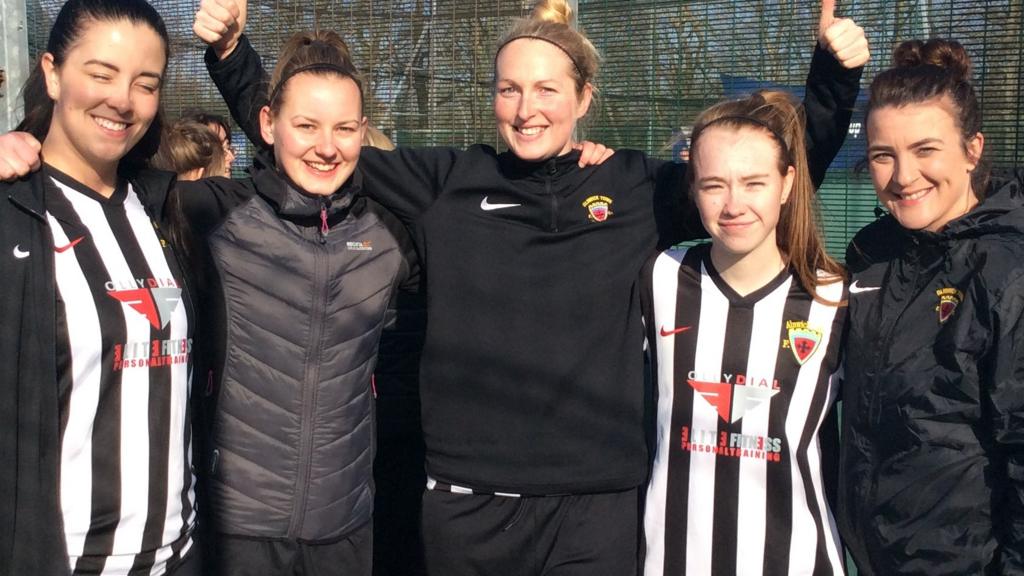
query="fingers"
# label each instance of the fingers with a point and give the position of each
(591, 153)
(19, 155)
(847, 42)
(219, 23)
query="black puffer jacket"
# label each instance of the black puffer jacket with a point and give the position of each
(932, 478)
(294, 302)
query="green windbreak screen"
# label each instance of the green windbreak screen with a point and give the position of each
(429, 65)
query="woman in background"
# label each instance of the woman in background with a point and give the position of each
(192, 151)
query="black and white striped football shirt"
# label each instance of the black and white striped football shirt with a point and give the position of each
(744, 384)
(123, 349)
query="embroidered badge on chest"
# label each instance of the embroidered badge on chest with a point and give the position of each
(949, 299)
(599, 208)
(802, 340)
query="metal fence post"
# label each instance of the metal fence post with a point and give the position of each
(13, 60)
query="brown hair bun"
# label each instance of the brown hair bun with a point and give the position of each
(949, 55)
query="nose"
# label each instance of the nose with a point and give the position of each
(526, 107)
(905, 172)
(120, 98)
(325, 145)
(732, 204)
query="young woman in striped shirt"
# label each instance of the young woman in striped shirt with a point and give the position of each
(744, 334)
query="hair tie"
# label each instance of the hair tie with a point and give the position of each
(324, 66)
(575, 64)
(744, 120)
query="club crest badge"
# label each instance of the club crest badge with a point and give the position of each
(949, 299)
(599, 208)
(803, 340)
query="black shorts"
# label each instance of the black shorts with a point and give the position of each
(574, 535)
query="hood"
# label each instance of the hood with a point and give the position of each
(1001, 212)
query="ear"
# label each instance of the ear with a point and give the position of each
(267, 125)
(50, 75)
(362, 129)
(787, 183)
(975, 146)
(586, 97)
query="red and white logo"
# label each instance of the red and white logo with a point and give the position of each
(599, 208)
(156, 304)
(732, 401)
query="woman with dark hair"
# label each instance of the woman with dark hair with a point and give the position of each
(932, 473)
(95, 454)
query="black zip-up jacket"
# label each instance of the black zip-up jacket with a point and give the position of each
(294, 293)
(532, 373)
(932, 472)
(31, 525)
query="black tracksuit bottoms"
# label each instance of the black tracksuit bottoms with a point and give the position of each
(573, 535)
(237, 556)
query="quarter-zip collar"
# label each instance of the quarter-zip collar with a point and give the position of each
(553, 168)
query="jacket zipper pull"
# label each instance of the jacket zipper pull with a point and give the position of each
(323, 224)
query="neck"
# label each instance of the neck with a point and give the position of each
(62, 156)
(748, 272)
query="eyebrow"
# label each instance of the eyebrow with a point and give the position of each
(113, 68)
(317, 121)
(917, 144)
(743, 179)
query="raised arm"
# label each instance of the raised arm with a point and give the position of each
(833, 84)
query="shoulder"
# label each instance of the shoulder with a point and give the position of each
(874, 243)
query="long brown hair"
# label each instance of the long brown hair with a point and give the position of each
(798, 235)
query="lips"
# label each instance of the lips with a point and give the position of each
(320, 168)
(530, 131)
(912, 197)
(112, 126)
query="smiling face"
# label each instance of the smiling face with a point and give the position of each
(920, 165)
(106, 94)
(318, 131)
(739, 190)
(536, 103)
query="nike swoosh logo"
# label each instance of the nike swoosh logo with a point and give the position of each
(19, 253)
(855, 289)
(69, 246)
(487, 206)
(675, 331)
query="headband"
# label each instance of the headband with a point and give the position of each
(321, 66)
(744, 120)
(543, 39)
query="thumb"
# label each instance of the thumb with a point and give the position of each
(243, 9)
(828, 15)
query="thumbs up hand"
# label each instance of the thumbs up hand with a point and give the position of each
(220, 23)
(842, 37)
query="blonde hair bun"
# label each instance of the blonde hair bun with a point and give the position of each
(554, 11)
